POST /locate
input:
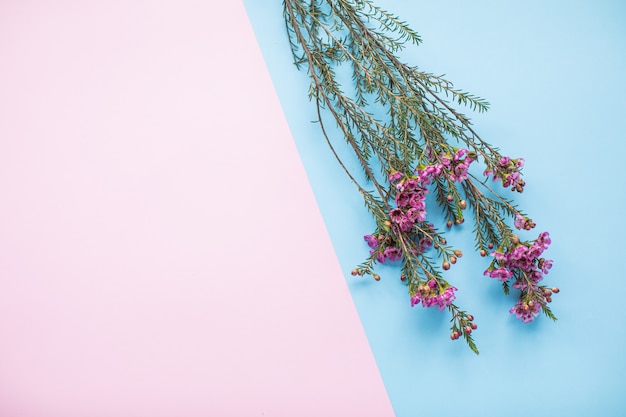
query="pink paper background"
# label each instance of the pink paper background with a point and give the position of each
(161, 252)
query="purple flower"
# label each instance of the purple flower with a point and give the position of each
(546, 265)
(511, 180)
(396, 176)
(402, 199)
(519, 252)
(371, 240)
(504, 161)
(526, 312)
(379, 256)
(406, 224)
(544, 239)
(500, 256)
(413, 214)
(430, 296)
(424, 243)
(459, 154)
(393, 254)
(417, 201)
(446, 297)
(502, 274)
(411, 184)
(396, 215)
(415, 299)
(460, 172)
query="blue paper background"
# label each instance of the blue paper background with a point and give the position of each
(555, 75)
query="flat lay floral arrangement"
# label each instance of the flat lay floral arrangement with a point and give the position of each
(411, 141)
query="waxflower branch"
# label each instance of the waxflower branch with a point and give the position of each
(400, 124)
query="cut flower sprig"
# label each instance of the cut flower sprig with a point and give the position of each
(410, 141)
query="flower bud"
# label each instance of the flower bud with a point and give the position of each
(548, 299)
(377, 277)
(453, 260)
(449, 198)
(463, 204)
(445, 265)
(515, 239)
(458, 253)
(449, 223)
(470, 317)
(474, 326)
(468, 330)
(483, 253)
(490, 245)
(354, 272)
(555, 290)
(402, 277)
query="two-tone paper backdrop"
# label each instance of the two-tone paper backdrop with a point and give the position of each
(176, 240)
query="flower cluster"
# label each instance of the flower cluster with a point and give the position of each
(526, 311)
(519, 261)
(433, 294)
(383, 253)
(522, 261)
(522, 222)
(410, 201)
(509, 172)
(385, 248)
(455, 166)
(411, 191)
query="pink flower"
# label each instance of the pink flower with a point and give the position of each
(406, 224)
(402, 199)
(417, 201)
(459, 154)
(504, 161)
(379, 256)
(396, 176)
(544, 239)
(424, 243)
(431, 296)
(393, 254)
(526, 312)
(396, 215)
(411, 184)
(371, 240)
(502, 274)
(413, 214)
(415, 299)
(545, 267)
